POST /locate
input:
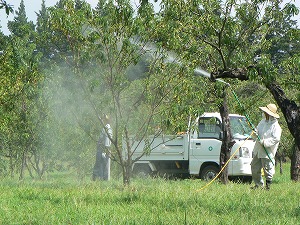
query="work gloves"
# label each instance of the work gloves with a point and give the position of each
(256, 137)
(255, 134)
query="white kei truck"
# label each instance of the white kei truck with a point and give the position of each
(196, 153)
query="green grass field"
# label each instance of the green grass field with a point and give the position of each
(62, 200)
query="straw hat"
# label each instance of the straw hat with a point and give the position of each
(271, 109)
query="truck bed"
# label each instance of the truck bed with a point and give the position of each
(165, 147)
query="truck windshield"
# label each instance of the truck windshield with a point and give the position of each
(239, 127)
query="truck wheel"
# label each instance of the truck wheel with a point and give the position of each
(141, 171)
(209, 173)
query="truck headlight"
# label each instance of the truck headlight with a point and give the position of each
(244, 152)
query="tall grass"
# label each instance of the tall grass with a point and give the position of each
(63, 200)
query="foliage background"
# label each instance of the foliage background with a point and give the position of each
(56, 77)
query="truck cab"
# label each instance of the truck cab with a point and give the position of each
(205, 145)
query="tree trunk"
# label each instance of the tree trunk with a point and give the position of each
(291, 114)
(36, 164)
(227, 142)
(11, 164)
(295, 164)
(126, 175)
(23, 164)
(29, 169)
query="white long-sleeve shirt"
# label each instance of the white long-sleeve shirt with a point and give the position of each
(108, 133)
(269, 132)
(104, 136)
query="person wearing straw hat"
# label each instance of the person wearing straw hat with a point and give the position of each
(268, 133)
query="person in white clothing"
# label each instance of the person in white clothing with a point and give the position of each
(102, 165)
(265, 148)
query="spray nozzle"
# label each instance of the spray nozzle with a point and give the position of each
(204, 73)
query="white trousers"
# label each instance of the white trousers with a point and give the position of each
(262, 163)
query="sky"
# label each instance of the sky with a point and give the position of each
(31, 9)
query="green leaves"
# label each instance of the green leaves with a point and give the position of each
(8, 8)
(291, 9)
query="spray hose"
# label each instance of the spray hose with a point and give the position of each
(251, 124)
(205, 186)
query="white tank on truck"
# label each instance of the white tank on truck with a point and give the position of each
(196, 152)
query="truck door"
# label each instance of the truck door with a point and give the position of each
(205, 147)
